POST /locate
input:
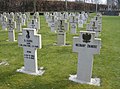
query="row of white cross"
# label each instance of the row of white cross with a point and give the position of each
(74, 19)
(13, 21)
(86, 45)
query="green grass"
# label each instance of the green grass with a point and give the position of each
(59, 62)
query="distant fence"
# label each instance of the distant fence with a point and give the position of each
(27, 5)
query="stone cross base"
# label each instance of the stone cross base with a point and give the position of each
(39, 72)
(66, 44)
(11, 41)
(94, 81)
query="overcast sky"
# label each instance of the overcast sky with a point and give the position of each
(101, 1)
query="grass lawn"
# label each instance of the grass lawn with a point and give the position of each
(59, 62)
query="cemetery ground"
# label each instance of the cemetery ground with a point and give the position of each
(60, 62)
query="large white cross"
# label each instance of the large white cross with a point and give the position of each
(30, 41)
(86, 46)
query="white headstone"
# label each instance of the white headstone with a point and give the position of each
(86, 46)
(11, 16)
(47, 16)
(83, 18)
(36, 16)
(18, 23)
(73, 28)
(52, 25)
(33, 24)
(80, 23)
(23, 19)
(73, 24)
(4, 22)
(59, 15)
(11, 30)
(50, 20)
(4, 13)
(99, 20)
(64, 16)
(27, 17)
(61, 29)
(86, 15)
(94, 27)
(30, 41)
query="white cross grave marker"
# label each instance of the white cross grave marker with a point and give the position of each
(36, 16)
(64, 16)
(99, 20)
(30, 41)
(58, 15)
(11, 16)
(47, 15)
(86, 15)
(73, 24)
(27, 17)
(61, 27)
(33, 24)
(19, 22)
(50, 20)
(80, 21)
(11, 30)
(23, 19)
(95, 27)
(83, 18)
(53, 23)
(4, 22)
(86, 46)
